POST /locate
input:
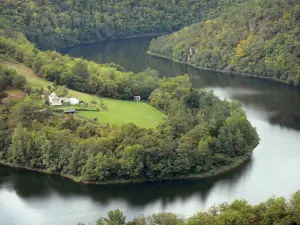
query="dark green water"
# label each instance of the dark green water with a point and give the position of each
(36, 199)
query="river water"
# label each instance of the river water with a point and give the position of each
(28, 198)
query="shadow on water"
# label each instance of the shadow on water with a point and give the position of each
(36, 185)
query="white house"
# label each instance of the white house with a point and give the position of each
(74, 101)
(64, 100)
(55, 100)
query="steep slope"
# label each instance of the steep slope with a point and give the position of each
(256, 38)
(57, 23)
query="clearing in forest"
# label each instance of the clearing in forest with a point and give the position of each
(118, 111)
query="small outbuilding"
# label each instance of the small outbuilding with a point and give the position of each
(73, 101)
(137, 98)
(70, 111)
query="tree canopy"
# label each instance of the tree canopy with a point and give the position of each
(276, 210)
(255, 38)
(53, 24)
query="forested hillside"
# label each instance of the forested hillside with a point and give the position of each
(256, 38)
(79, 74)
(57, 23)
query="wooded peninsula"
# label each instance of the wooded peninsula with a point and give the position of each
(199, 136)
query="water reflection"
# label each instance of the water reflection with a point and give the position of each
(28, 185)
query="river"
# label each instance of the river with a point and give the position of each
(28, 198)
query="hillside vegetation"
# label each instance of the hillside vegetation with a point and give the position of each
(117, 112)
(256, 38)
(58, 23)
(76, 73)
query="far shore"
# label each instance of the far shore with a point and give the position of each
(220, 71)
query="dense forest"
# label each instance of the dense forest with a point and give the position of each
(57, 23)
(256, 38)
(201, 134)
(276, 210)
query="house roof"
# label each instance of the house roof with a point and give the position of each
(64, 98)
(53, 96)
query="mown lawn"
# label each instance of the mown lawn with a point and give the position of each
(118, 112)
(122, 112)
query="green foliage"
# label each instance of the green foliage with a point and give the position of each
(256, 38)
(192, 101)
(131, 160)
(115, 217)
(169, 92)
(200, 134)
(61, 91)
(53, 24)
(24, 112)
(9, 78)
(79, 74)
(240, 212)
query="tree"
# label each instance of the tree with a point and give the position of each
(28, 90)
(19, 82)
(132, 160)
(166, 219)
(115, 217)
(93, 102)
(192, 101)
(80, 69)
(26, 111)
(61, 90)
(21, 145)
(295, 207)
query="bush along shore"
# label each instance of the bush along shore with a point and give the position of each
(224, 71)
(275, 210)
(195, 176)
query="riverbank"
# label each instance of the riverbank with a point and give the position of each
(227, 72)
(240, 161)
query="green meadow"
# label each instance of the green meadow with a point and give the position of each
(118, 112)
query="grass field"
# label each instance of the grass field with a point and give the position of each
(122, 112)
(118, 112)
